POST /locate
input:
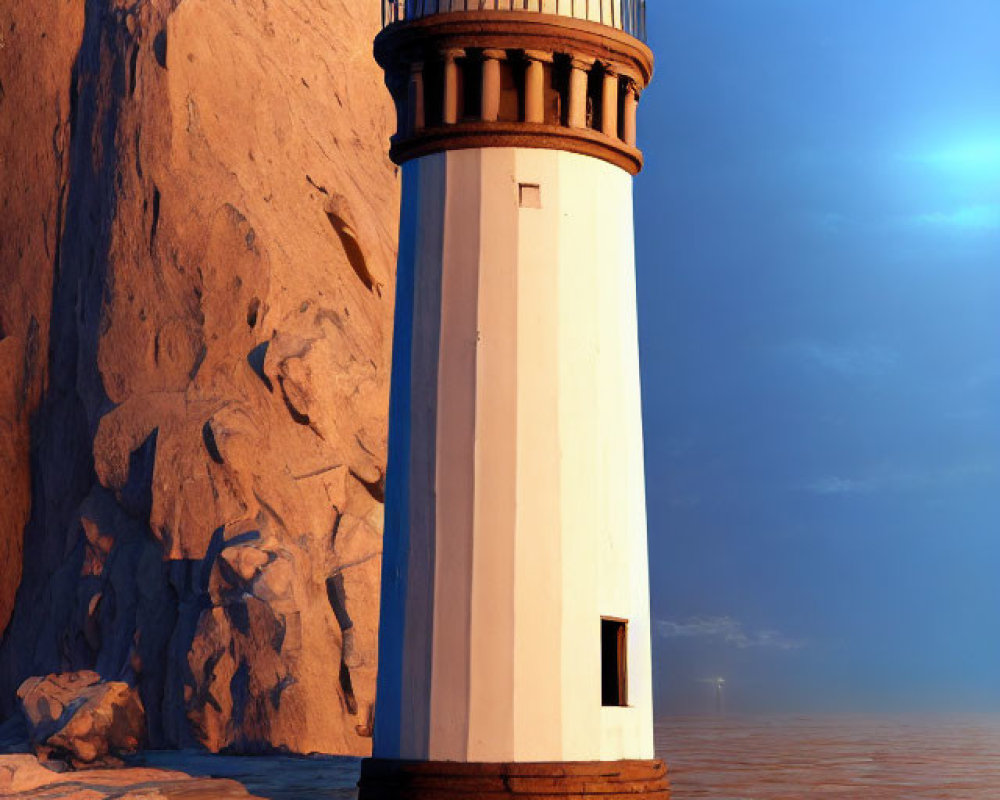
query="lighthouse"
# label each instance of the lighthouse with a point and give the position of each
(514, 653)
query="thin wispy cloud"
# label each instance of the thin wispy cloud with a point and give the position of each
(892, 479)
(834, 485)
(824, 222)
(848, 361)
(973, 155)
(725, 630)
(985, 376)
(984, 217)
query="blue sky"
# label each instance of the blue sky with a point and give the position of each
(818, 244)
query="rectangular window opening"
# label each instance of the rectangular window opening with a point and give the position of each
(614, 662)
(529, 195)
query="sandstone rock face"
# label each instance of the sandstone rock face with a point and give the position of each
(197, 245)
(81, 719)
(22, 776)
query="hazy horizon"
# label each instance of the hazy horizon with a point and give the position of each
(818, 245)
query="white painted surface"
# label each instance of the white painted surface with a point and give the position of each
(530, 373)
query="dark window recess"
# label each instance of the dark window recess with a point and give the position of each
(595, 97)
(555, 80)
(614, 662)
(511, 89)
(560, 72)
(472, 87)
(433, 93)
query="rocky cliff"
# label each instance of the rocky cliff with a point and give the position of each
(196, 245)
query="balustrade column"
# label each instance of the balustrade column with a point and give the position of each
(630, 110)
(491, 84)
(534, 85)
(579, 68)
(609, 102)
(450, 99)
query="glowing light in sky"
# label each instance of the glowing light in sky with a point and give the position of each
(960, 182)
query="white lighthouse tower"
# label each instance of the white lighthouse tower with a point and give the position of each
(514, 643)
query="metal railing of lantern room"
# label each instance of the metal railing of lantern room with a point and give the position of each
(626, 15)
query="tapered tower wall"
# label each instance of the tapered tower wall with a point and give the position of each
(515, 499)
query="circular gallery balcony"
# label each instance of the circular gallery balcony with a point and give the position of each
(554, 74)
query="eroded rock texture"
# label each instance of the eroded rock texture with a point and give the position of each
(197, 243)
(80, 719)
(24, 778)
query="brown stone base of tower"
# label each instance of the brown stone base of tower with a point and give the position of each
(383, 779)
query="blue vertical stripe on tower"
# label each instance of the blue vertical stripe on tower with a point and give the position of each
(425, 353)
(402, 715)
(395, 542)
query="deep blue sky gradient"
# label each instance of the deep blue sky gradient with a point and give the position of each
(818, 244)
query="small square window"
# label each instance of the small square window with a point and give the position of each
(614, 662)
(529, 195)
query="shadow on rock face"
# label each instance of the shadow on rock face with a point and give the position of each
(63, 426)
